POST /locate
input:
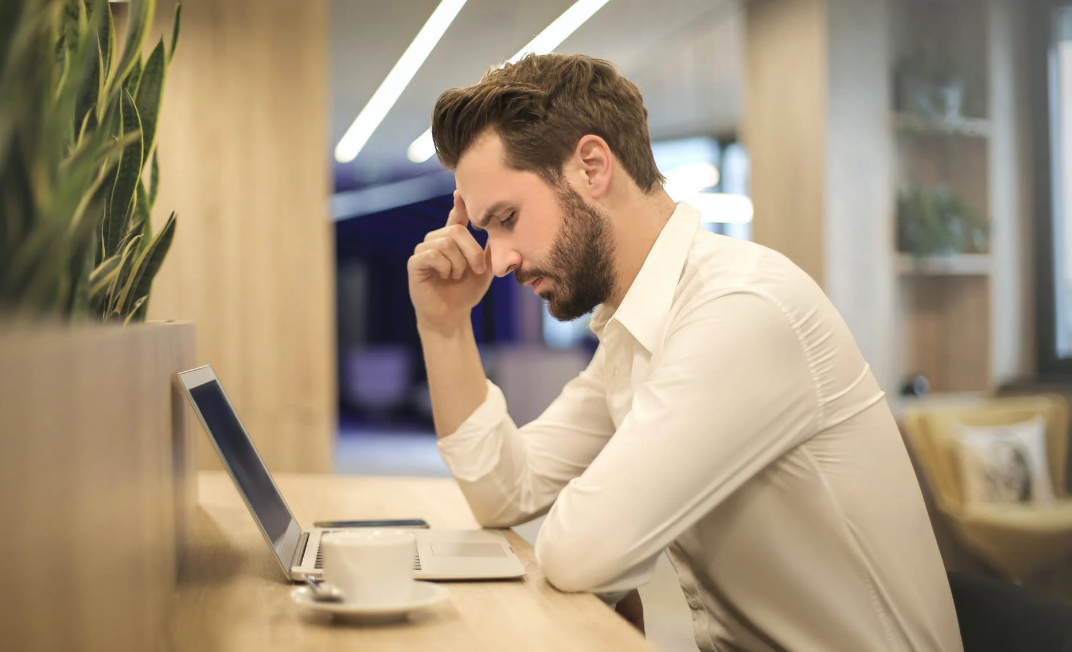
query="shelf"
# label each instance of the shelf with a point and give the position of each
(920, 124)
(954, 265)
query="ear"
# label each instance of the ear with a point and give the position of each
(595, 165)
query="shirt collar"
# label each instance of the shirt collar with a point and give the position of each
(646, 306)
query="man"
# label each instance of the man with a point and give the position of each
(727, 416)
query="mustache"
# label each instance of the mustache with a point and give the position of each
(523, 276)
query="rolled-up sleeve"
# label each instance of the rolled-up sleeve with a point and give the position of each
(510, 475)
(731, 392)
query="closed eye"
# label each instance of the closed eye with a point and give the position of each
(508, 220)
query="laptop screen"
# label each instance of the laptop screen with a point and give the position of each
(246, 467)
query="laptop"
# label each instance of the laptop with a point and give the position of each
(439, 554)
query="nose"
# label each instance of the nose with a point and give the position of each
(504, 260)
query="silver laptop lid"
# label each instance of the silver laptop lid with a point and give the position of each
(243, 462)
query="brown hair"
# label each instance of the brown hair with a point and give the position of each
(540, 107)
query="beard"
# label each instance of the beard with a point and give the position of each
(581, 260)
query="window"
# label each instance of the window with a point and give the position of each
(1051, 32)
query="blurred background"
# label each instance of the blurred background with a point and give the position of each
(913, 156)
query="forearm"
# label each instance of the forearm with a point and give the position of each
(510, 475)
(456, 377)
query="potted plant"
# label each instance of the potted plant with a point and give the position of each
(931, 86)
(935, 222)
(77, 132)
(90, 428)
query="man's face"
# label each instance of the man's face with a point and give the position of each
(548, 237)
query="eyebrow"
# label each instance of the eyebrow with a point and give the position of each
(482, 223)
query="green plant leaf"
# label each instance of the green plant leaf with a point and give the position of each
(106, 34)
(150, 93)
(84, 128)
(130, 85)
(91, 99)
(80, 298)
(154, 182)
(110, 129)
(80, 61)
(141, 215)
(149, 263)
(103, 276)
(134, 232)
(175, 31)
(143, 310)
(135, 310)
(121, 203)
(89, 172)
(72, 29)
(46, 269)
(128, 261)
(57, 128)
(99, 68)
(12, 15)
(138, 21)
(23, 279)
(21, 49)
(69, 30)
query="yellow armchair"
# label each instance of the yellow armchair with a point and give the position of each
(1014, 539)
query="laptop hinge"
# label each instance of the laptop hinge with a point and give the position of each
(299, 551)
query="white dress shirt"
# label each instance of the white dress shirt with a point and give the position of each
(727, 418)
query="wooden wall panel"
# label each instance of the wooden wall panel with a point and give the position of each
(784, 126)
(949, 332)
(97, 485)
(244, 160)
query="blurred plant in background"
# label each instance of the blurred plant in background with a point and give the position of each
(78, 128)
(934, 222)
(934, 86)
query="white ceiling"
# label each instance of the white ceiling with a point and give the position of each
(684, 55)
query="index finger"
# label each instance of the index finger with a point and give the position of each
(458, 214)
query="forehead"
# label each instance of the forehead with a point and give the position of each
(484, 179)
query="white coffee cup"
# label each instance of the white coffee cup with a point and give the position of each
(372, 567)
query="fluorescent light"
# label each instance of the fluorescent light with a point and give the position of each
(721, 208)
(397, 80)
(546, 41)
(691, 178)
(421, 149)
(553, 35)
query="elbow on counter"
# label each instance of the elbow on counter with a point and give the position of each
(573, 567)
(499, 509)
(496, 513)
(497, 521)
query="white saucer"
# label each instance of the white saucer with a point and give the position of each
(425, 594)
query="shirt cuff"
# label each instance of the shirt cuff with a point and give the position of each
(472, 451)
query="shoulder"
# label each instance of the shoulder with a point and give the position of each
(719, 267)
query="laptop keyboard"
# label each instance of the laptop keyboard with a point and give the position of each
(320, 558)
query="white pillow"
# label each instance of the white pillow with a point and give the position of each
(1005, 464)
